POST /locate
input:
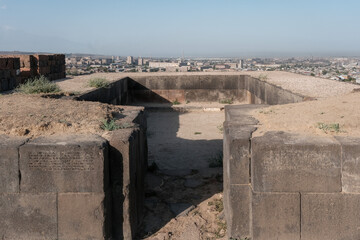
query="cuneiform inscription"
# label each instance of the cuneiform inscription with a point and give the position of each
(61, 161)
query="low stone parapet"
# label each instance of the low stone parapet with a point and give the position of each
(73, 186)
(288, 186)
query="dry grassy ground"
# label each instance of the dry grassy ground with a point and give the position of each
(318, 117)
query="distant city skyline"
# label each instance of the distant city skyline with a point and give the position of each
(202, 28)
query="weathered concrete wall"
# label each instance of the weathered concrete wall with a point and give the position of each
(288, 186)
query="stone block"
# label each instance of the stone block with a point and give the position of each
(83, 216)
(276, 216)
(71, 163)
(28, 216)
(350, 164)
(237, 205)
(285, 162)
(241, 113)
(237, 152)
(9, 159)
(126, 173)
(331, 216)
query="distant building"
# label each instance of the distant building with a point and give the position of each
(221, 66)
(232, 65)
(241, 64)
(106, 61)
(178, 69)
(130, 60)
(163, 64)
(140, 61)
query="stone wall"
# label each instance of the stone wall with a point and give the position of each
(187, 88)
(17, 69)
(116, 93)
(54, 187)
(51, 66)
(261, 92)
(128, 161)
(74, 186)
(288, 186)
(197, 88)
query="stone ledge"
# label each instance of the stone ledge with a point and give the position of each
(9, 163)
(240, 113)
(284, 162)
(236, 153)
(350, 151)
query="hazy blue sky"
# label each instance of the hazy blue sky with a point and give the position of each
(168, 27)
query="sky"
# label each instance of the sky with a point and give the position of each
(170, 28)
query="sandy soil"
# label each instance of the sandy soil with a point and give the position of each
(33, 115)
(305, 85)
(307, 117)
(184, 140)
(183, 195)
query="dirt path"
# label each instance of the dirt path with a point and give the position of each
(183, 194)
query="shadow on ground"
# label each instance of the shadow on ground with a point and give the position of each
(182, 145)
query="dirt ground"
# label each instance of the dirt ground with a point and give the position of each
(33, 115)
(318, 117)
(183, 194)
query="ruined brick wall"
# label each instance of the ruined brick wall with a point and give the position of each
(9, 71)
(23, 67)
(51, 66)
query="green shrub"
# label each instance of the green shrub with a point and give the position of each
(98, 82)
(176, 102)
(38, 85)
(111, 125)
(332, 127)
(226, 101)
